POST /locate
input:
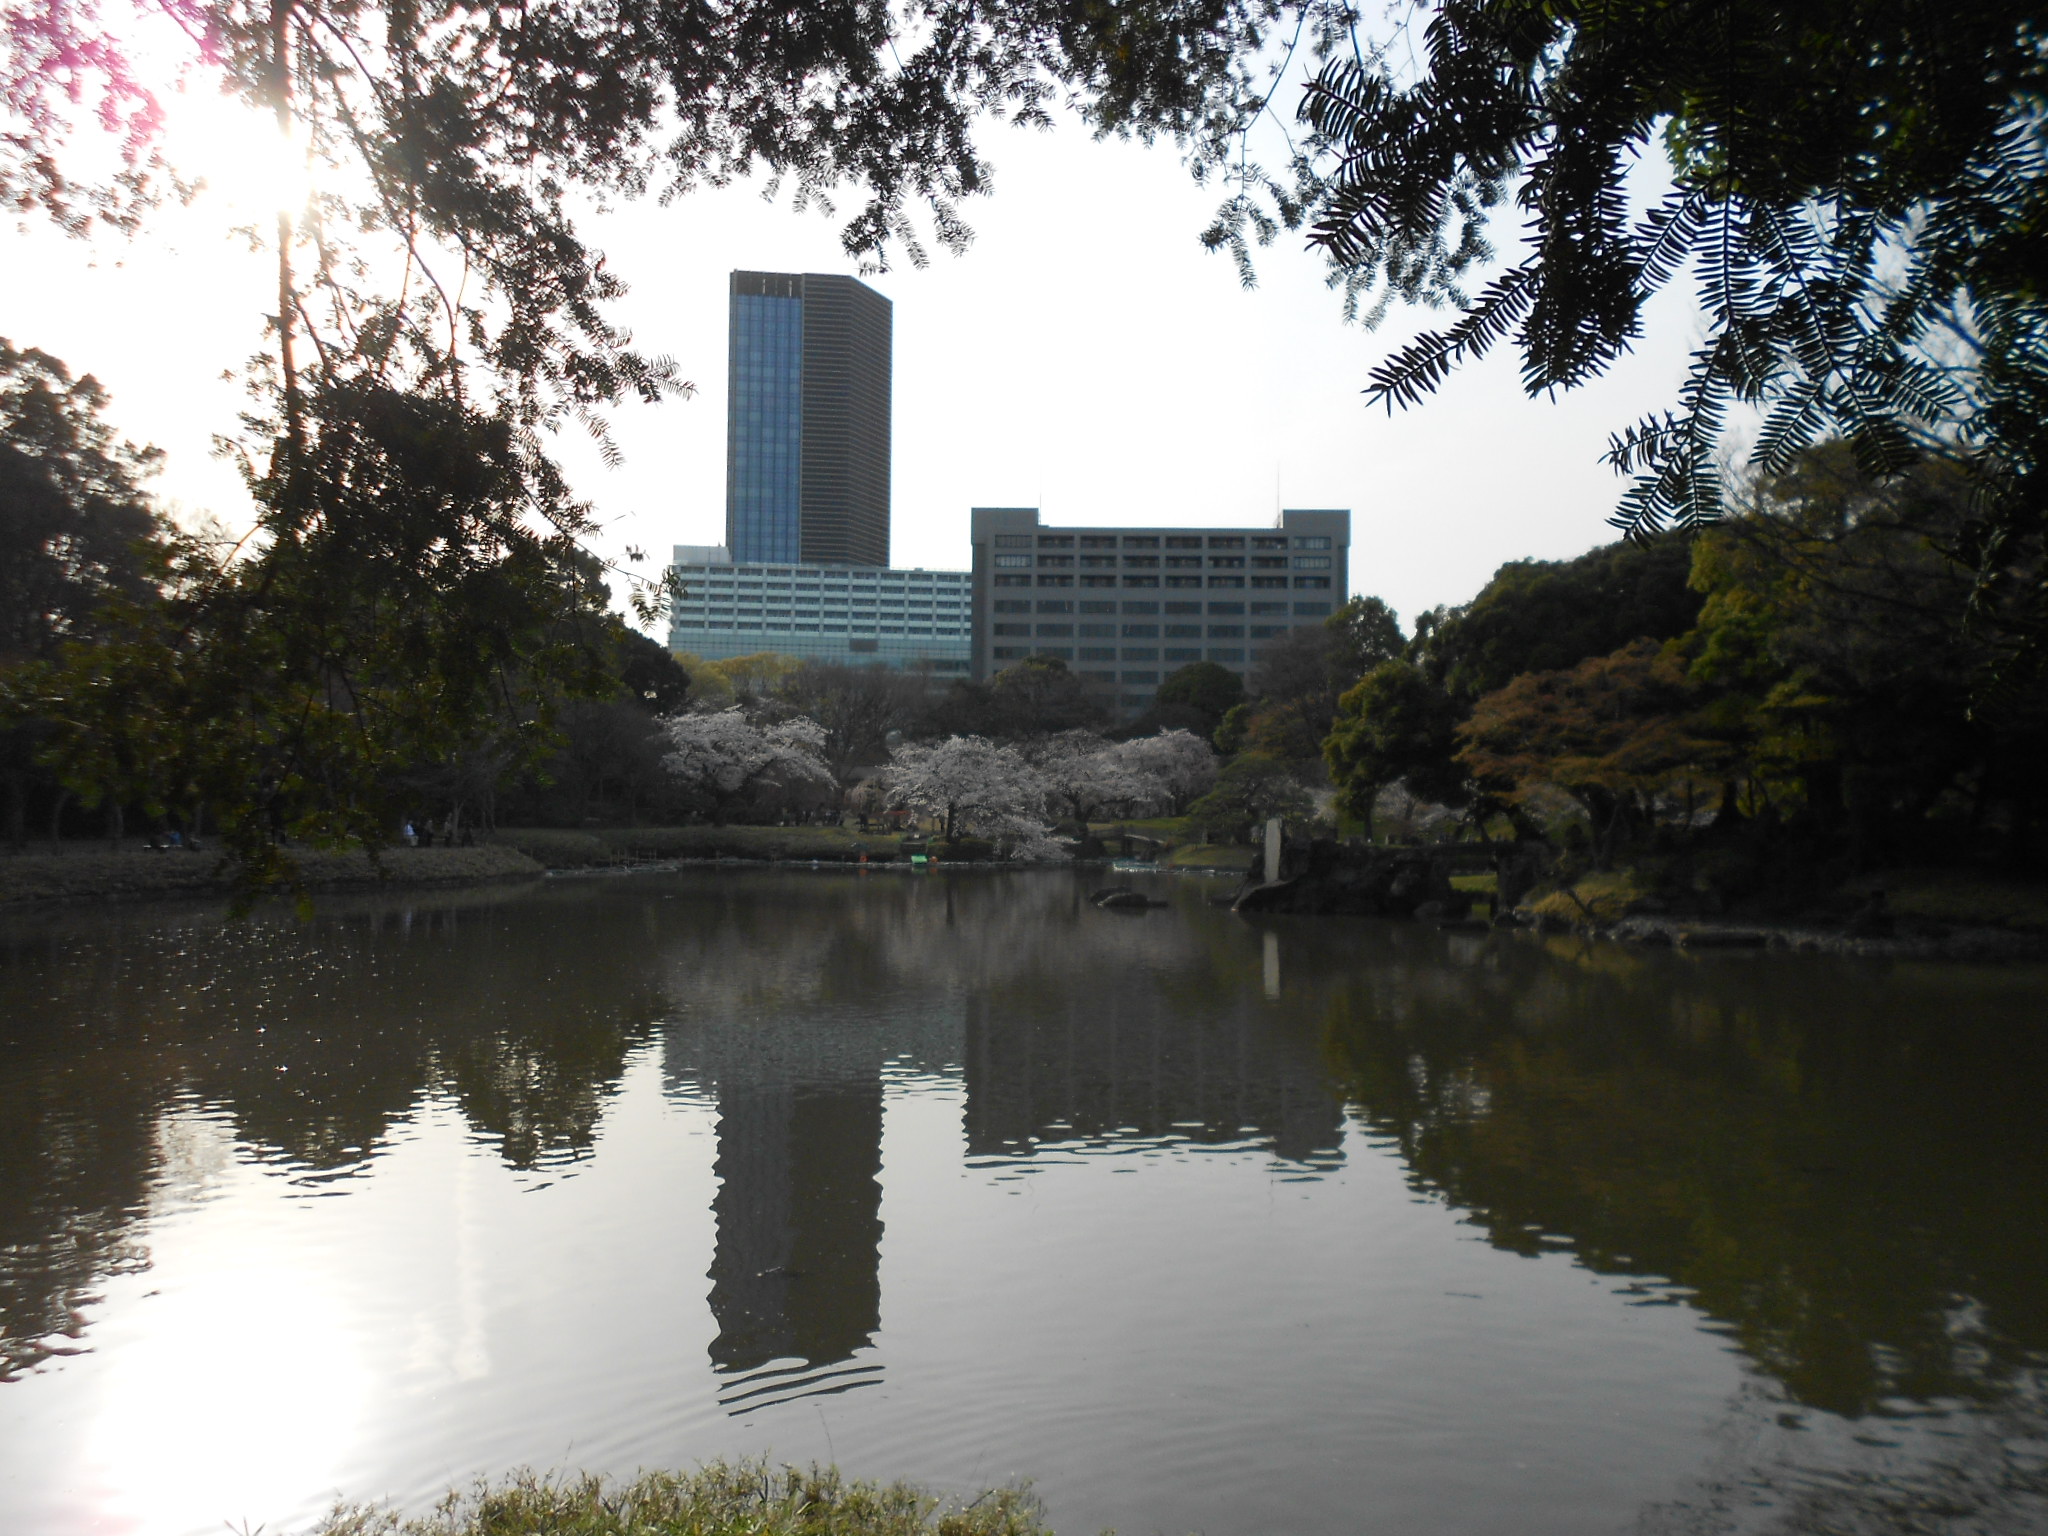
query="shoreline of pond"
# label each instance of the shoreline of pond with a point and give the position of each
(29, 880)
(96, 874)
(1970, 944)
(34, 881)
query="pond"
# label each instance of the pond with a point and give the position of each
(1311, 1225)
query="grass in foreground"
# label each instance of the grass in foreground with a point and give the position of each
(747, 1498)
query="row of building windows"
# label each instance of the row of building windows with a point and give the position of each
(1157, 541)
(1225, 607)
(1178, 656)
(1172, 562)
(1140, 631)
(839, 576)
(1046, 579)
(782, 625)
(784, 609)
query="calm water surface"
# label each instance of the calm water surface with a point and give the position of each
(1318, 1226)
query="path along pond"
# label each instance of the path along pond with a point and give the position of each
(1310, 1226)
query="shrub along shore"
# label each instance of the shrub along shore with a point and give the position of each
(746, 1498)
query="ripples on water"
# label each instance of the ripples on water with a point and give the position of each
(1318, 1226)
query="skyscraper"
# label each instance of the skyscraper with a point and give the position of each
(807, 426)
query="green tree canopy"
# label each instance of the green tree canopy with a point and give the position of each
(1207, 686)
(1394, 724)
(76, 525)
(1610, 732)
(1545, 615)
(650, 677)
(1252, 787)
(1037, 696)
(1842, 675)
(402, 610)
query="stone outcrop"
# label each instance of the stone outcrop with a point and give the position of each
(1326, 878)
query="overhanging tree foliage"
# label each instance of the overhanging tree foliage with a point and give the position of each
(1859, 192)
(436, 274)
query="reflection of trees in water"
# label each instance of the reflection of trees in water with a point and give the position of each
(1840, 1163)
(312, 1040)
(1984, 1473)
(76, 1151)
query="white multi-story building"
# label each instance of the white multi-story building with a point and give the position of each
(857, 615)
(1125, 607)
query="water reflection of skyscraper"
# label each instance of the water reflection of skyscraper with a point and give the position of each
(796, 1276)
(796, 1289)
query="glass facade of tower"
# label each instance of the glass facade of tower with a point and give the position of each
(807, 423)
(765, 427)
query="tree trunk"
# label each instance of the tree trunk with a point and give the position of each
(57, 813)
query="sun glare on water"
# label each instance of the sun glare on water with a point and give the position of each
(241, 1392)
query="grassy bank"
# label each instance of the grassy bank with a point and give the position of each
(1209, 856)
(722, 1499)
(91, 872)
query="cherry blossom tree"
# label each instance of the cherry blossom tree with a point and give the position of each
(969, 782)
(1177, 766)
(1083, 775)
(731, 759)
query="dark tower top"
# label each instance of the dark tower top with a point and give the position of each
(807, 431)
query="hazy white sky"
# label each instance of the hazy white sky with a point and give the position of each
(1085, 355)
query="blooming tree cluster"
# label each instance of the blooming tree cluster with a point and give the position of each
(730, 758)
(1086, 776)
(1177, 766)
(971, 784)
(1083, 775)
